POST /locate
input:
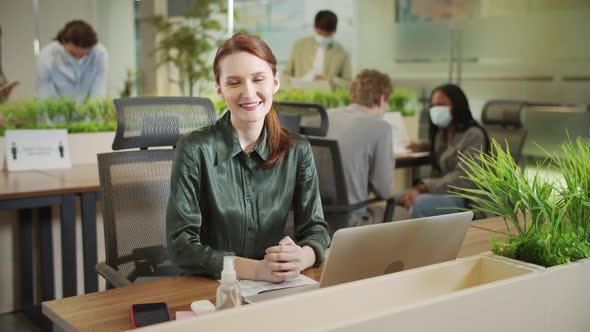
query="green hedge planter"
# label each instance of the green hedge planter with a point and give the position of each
(398, 101)
(94, 116)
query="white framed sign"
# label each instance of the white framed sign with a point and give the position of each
(28, 149)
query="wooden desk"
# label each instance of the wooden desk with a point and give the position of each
(109, 310)
(83, 180)
(411, 161)
(25, 191)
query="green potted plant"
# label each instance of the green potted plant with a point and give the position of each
(398, 102)
(187, 42)
(330, 99)
(552, 218)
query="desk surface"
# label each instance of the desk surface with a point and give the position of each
(28, 184)
(109, 310)
(84, 178)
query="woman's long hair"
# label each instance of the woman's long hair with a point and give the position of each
(278, 138)
(462, 117)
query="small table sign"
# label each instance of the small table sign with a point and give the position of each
(33, 149)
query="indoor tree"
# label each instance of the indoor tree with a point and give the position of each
(187, 42)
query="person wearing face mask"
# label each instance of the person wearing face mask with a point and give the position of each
(234, 183)
(366, 146)
(320, 57)
(73, 65)
(452, 132)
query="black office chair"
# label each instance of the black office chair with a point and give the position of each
(303, 118)
(332, 184)
(502, 121)
(135, 184)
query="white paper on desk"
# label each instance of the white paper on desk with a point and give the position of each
(302, 84)
(399, 133)
(28, 149)
(252, 287)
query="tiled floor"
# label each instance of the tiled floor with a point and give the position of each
(16, 321)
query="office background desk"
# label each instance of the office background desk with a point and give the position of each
(25, 191)
(42, 189)
(109, 310)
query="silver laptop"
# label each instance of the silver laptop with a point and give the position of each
(369, 251)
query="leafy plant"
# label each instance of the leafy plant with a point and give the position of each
(94, 115)
(330, 99)
(398, 101)
(551, 219)
(187, 42)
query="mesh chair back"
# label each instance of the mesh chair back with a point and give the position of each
(304, 118)
(502, 121)
(144, 122)
(512, 138)
(135, 187)
(505, 113)
(328, 162)
(135, 184)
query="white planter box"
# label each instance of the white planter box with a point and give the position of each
(469, 294)
(566, 290)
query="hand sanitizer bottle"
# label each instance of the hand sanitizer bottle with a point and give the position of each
(228, 293)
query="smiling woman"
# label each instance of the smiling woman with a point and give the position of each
(234, 183)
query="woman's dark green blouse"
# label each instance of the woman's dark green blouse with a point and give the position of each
(222, 202)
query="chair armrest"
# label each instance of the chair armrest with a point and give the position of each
(111, 275)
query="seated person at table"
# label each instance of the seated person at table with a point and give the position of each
(452, 131)
(233, 183)
(366, 145)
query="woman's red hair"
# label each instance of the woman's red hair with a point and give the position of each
(278, 138)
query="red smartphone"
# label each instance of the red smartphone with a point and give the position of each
(145, 314)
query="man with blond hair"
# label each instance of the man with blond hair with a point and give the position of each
(366, 144)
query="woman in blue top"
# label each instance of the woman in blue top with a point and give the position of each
(73, 65)
(233, 183)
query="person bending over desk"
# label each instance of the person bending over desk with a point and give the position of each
(75, 64)
(452, 131)
(233, 183)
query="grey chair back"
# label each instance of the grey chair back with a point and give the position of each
(502, 121)
(303, 118)
(144, 122)
(333, 189)
(135, 184)
(328, 162)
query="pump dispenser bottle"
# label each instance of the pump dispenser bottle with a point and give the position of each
(228, 293)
